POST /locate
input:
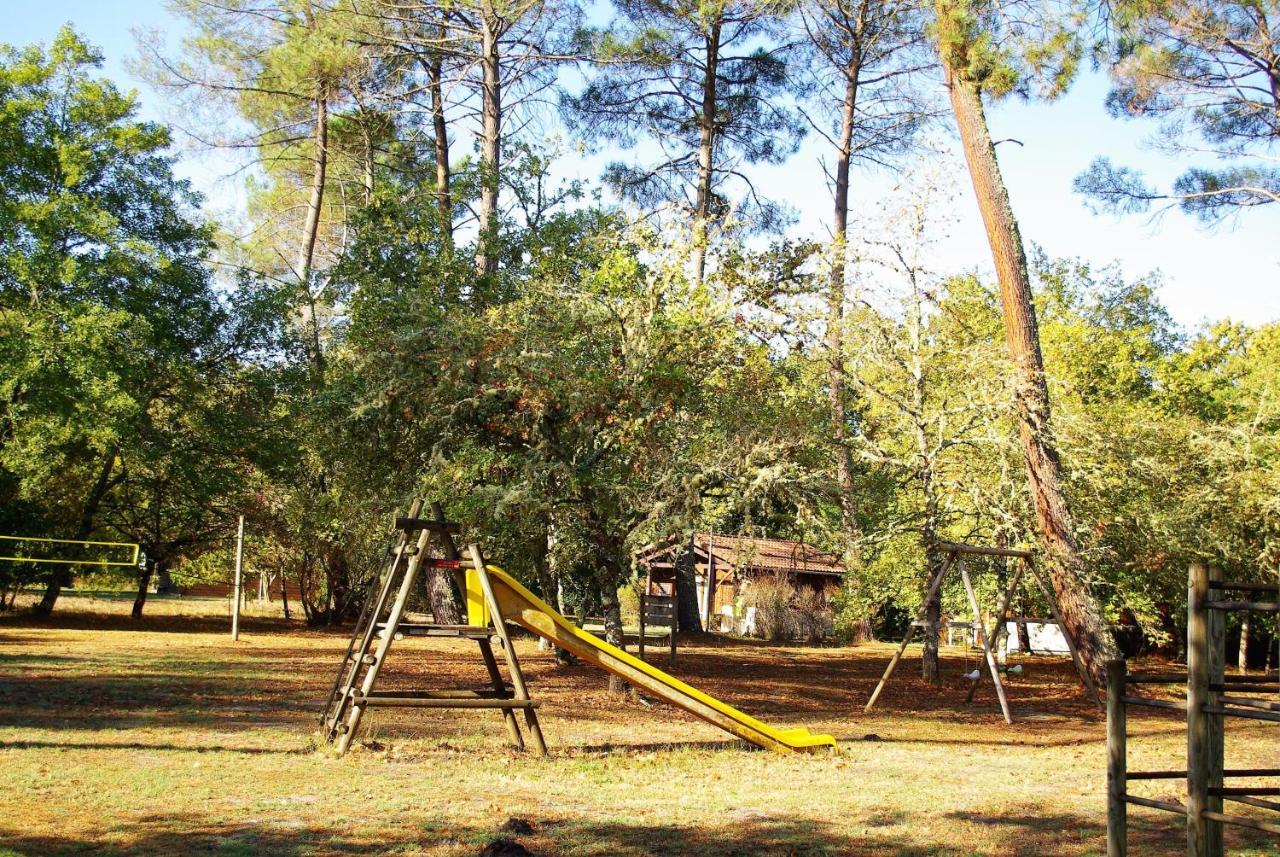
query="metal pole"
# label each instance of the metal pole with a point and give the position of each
(235, 604)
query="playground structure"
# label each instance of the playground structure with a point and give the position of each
(953, 557)
(1211, 697)
(493, 599)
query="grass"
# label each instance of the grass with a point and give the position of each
(162, 737)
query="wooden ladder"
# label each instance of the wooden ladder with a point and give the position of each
(382, 621)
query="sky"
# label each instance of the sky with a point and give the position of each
(1229, 271)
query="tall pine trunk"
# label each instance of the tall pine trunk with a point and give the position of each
(706, 153)
(311, 227)
(849, 528)
(444, 198)
(1080, 611)
(490, 142)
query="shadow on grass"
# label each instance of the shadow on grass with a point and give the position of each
(877, 834)
(140, 745)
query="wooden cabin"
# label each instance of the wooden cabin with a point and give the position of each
(729, 563)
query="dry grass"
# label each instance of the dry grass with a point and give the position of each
(163, 737)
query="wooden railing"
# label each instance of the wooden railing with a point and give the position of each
(1211, 697)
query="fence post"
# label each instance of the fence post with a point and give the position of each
(1197, 720)
(1216, 631)
(235, 603)
(1117, 761)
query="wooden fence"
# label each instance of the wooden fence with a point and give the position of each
(1211, 697)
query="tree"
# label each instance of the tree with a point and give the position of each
(1209, 73)
(697, 79)
(987, 50)
(102, 280)
(866, 53)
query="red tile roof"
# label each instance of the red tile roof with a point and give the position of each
(750, 554)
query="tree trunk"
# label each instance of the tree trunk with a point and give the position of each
(687, 618)
(444, 199)
(490, 143)
(849, 528)
(311, 228)
(164, 582)
(1079, 608)
(144, 584)
(62, 576)
(540, 551)
(284, 594)
(613, 630)
(1242, 653)
(706, 151)
(444, 603)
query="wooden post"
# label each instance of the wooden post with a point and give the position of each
(513, 663)
(709, 593)
(672, 622)
(1117, 762)
(986, 644)
(1197, 721)
(911, 631)
(1216, 628)
(235, 603)
(643, 597)
(386, 638)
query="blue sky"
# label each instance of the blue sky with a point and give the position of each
(1229, 271)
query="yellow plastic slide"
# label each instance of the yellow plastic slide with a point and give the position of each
(521, 606)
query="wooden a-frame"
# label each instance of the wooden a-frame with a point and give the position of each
(353, 689)
(954, 554)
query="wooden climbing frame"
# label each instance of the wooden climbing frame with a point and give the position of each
(382, 622)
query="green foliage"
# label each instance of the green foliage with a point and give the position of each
(120, 365)
(1206, 73)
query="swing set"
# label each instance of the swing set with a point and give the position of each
(954, 558)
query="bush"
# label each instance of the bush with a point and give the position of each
(784, 613)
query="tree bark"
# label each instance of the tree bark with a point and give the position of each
(444, 198)
(62, 576)
(1076, 602)
(490, 142)
(706, 151)
(144, 583)
(849, 527)
(540, 551)
(1242, 653)
(311, 226)
(687, 613)
(164, 582)
(284, 594)
(613, 630)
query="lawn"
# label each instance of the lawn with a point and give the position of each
(163, 737)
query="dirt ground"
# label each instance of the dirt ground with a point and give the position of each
(162, 737)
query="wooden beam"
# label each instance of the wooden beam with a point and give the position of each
(979, 550)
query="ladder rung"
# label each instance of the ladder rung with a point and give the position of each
(428, 629)
(411, 524)
(416, 702)
(487, 693)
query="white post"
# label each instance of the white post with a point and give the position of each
(235, 603)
